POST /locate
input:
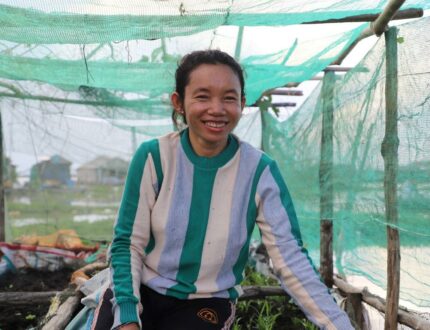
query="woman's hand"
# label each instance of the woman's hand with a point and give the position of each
(129, 326)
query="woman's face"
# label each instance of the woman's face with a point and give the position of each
(212, 106)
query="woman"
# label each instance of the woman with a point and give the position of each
(189, 207)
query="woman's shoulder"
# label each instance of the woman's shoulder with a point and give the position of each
(251, 151)
(152, 145)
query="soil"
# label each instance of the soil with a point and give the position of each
(29, 280)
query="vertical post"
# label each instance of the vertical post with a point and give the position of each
(133, 139)
(389, 149)
(2, 214)
(238, 43)
(326, 181)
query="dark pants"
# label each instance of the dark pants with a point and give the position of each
(162, 312)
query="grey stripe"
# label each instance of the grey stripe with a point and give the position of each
(249, 159)
(177, 221)
(160, 284)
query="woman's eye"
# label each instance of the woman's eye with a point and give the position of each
(230, 98)
(202, 97)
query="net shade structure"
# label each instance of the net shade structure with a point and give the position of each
(88, 77)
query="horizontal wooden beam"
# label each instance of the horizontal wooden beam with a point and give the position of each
(404, 316)
(261, 292)
(401, 14)
(276, 104)
(285, 92)
(21, 298)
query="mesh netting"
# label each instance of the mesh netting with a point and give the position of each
(88, 78)
(358, 178)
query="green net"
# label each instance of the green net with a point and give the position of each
(83, 22)
(358, 173)
(85, 78)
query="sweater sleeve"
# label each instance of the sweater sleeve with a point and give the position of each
(278, 224)
(131, 237)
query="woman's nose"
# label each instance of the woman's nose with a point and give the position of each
(216, 107)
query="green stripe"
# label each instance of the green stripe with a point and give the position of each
(189, 266)
(209, 162)
(121, 263)
(251, 215)
(154, 148)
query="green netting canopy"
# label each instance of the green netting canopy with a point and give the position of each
(81, 78)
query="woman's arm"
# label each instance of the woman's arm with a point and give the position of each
(131, 236)
(281, 235)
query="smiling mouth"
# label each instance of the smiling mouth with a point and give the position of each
(215, 124)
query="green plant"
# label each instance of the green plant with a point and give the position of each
(275, 313)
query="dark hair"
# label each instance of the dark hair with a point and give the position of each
(191, 61)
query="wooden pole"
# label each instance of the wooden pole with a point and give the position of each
(401, 14)
(389, 151)
(390, 10)
(238, 43)
(26, 298)
(406, 317)
(379, 24)
(326, 181)
(2, 213)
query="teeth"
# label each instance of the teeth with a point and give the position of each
(213, 124)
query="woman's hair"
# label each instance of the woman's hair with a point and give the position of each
(191, 61)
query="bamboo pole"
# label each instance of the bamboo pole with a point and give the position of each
(326, 181)
(380, 22)
(389, 151)
(390, 10)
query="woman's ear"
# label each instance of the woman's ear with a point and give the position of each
(243, 102)
(177, 103)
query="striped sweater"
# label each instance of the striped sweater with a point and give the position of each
(185, 223)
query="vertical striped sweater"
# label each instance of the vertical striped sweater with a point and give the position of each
(185, 222)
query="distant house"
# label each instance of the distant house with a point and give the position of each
(53, 172)
(103, 170)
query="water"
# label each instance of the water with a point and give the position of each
(91, 218)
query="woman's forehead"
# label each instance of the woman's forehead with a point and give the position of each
(213, 75)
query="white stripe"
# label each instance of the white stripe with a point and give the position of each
(159, 214)
(218, 228)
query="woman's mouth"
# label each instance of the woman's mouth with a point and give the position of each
(215, 124)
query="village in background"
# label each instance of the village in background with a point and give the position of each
(54, 199)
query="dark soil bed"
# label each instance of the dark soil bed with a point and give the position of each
(28, 315)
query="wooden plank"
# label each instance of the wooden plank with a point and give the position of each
(26, 298)
(326, 181)
(64, 313)
(389, 151)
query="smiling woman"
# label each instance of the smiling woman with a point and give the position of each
(190, 203)
(211, 104)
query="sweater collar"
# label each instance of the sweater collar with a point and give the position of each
(209, 162)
